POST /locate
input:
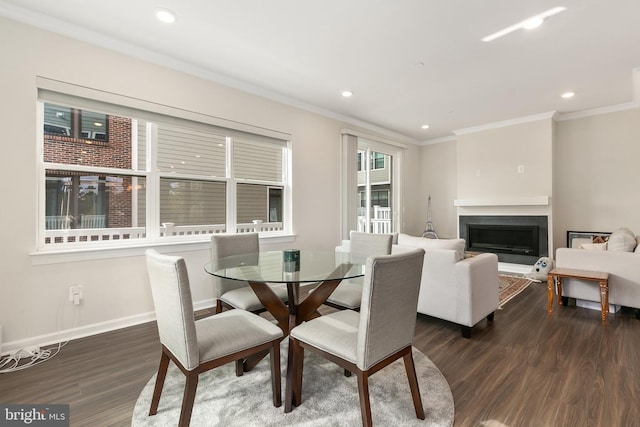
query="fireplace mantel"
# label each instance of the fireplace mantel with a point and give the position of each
(508, 201)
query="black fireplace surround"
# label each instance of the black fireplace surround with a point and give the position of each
(515, 239)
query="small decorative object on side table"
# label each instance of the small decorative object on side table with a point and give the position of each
(557, 274)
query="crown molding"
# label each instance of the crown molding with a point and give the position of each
(612, 108)
(376, 138)
(450, 138)
(86, 35)
(597, 111)
(505, 123)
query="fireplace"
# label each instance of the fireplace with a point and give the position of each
(515, 239)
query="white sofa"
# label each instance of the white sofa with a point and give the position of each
(622, 264)
(459, 290)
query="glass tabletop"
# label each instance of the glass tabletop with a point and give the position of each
(277, 267)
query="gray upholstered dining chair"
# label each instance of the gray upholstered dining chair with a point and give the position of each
(365, 342)
(349, 293)
(205, 344)
(233, 293)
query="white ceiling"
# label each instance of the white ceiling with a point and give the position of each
(306, 52)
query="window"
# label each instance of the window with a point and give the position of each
(371, 193)
(115, 174)
(377, 160)
(275, 204)
(374, 189)
(75, 123)
(378, 198)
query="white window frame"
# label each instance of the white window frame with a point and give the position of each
(352, 141)
(91, 99)
(384, 163)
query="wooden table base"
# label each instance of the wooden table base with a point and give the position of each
(557, 274)
(294, 312)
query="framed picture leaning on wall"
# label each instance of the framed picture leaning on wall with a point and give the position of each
(577, 238)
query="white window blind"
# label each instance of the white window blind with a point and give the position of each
(177, 179)
(191, 151)
(254, 160)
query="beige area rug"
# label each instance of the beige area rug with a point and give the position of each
(328, 397)
(510, 287)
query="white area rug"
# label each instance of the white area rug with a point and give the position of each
(328, 397)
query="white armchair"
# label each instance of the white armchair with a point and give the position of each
(454, 288)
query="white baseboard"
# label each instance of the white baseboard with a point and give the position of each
(514, 268)
(592, 305)
(88, 330)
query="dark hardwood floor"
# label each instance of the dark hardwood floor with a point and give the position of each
(524, 369)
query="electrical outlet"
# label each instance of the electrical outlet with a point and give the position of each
(75, 294)
(520, 168)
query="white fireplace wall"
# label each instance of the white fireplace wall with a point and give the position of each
(481, 167)
(507, 169)
(512, 162)
(595, 163)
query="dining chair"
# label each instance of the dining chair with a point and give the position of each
(365, 342)
(234, 293)
(349, 293)
(196, 346)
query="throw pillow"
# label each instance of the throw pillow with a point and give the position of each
(594, 246)
(424, 243)
(622, 240)
(577, 241)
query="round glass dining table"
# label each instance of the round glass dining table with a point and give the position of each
(262, 269)
(276, 267)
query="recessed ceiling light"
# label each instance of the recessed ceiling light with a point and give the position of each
(567, 95)
(166, 16)
(347, 93)
(425, 126)
(529, 23)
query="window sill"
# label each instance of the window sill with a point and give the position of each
(69, 254)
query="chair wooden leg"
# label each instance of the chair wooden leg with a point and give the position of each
(276, 387)
(410, 367)
(297, 389)
(239, 367)
(188, 398)
(294, 376)
(162, 374)
(365, 404)
(288, 392)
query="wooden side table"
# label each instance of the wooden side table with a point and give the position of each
(557, 274)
